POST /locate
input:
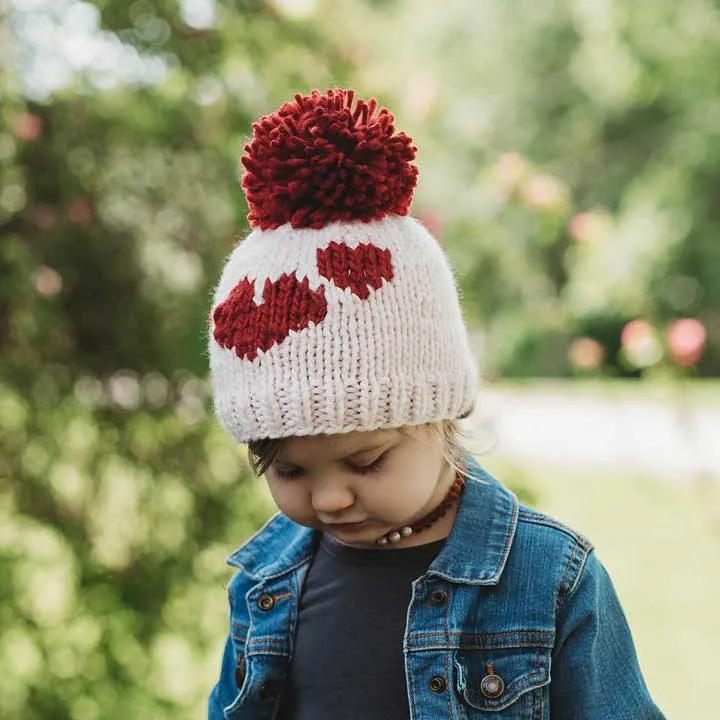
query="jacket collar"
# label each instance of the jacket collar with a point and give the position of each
(479, 543)
(475, 552)
(276, 548)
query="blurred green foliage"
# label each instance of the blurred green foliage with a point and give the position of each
(119, 198)
(113, 526)
(569, 155)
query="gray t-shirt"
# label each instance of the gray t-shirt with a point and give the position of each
(348, 660)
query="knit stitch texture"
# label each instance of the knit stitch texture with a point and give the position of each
(388, 352)
(338, 312)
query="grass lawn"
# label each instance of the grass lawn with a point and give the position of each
(661, 544)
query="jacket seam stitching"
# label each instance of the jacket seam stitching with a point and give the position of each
(502, 633)
(576, 563)
(509, 537)
(529, 516)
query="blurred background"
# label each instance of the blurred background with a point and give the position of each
(570, 165)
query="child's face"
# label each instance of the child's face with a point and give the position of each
(360, 485)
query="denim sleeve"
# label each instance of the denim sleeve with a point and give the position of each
(224, 692)
(595, 671)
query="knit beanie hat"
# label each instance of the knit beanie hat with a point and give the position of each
(338, 312)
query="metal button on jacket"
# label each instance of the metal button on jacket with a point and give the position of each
(266, 602)
(437, 684)
(438, 597)
(492, 686)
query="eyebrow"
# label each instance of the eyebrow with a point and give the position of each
(384, 446)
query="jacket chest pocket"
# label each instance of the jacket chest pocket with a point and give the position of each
(509, 683)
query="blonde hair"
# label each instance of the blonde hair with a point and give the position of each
(450, 436)
(447, 433)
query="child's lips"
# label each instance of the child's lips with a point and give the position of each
(336, 527)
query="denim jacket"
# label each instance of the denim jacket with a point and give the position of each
(515, 618)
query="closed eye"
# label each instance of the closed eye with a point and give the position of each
(291, 473)
(286, 473)
(369, 469)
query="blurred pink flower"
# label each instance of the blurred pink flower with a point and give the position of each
(589, 227)
(47, 281)
(28, 127)
(80, 212)
(640, 343)
(509, 171)
(586, 353)
(635, 331)
(422, 95)
(686, 339)
(543, 192)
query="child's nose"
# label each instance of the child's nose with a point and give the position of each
(331, 498)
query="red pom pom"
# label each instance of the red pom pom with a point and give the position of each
(319, 159)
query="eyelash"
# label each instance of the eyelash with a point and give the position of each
(373, 467)
(370, 469)
(285, 474)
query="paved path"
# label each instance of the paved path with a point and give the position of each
(569, 429)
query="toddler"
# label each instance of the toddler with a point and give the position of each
(399, 580)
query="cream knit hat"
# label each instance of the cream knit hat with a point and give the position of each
(338, 312)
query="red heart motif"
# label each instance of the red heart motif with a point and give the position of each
(287, 305)
(359, 268)
(291, 305)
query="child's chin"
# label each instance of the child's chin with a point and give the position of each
(355, 534)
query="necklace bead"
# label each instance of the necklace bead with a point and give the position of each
(408, 530)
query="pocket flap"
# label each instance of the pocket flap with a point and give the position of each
(494, 679)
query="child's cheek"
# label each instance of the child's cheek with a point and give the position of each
(280, 494)
(292, 500)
